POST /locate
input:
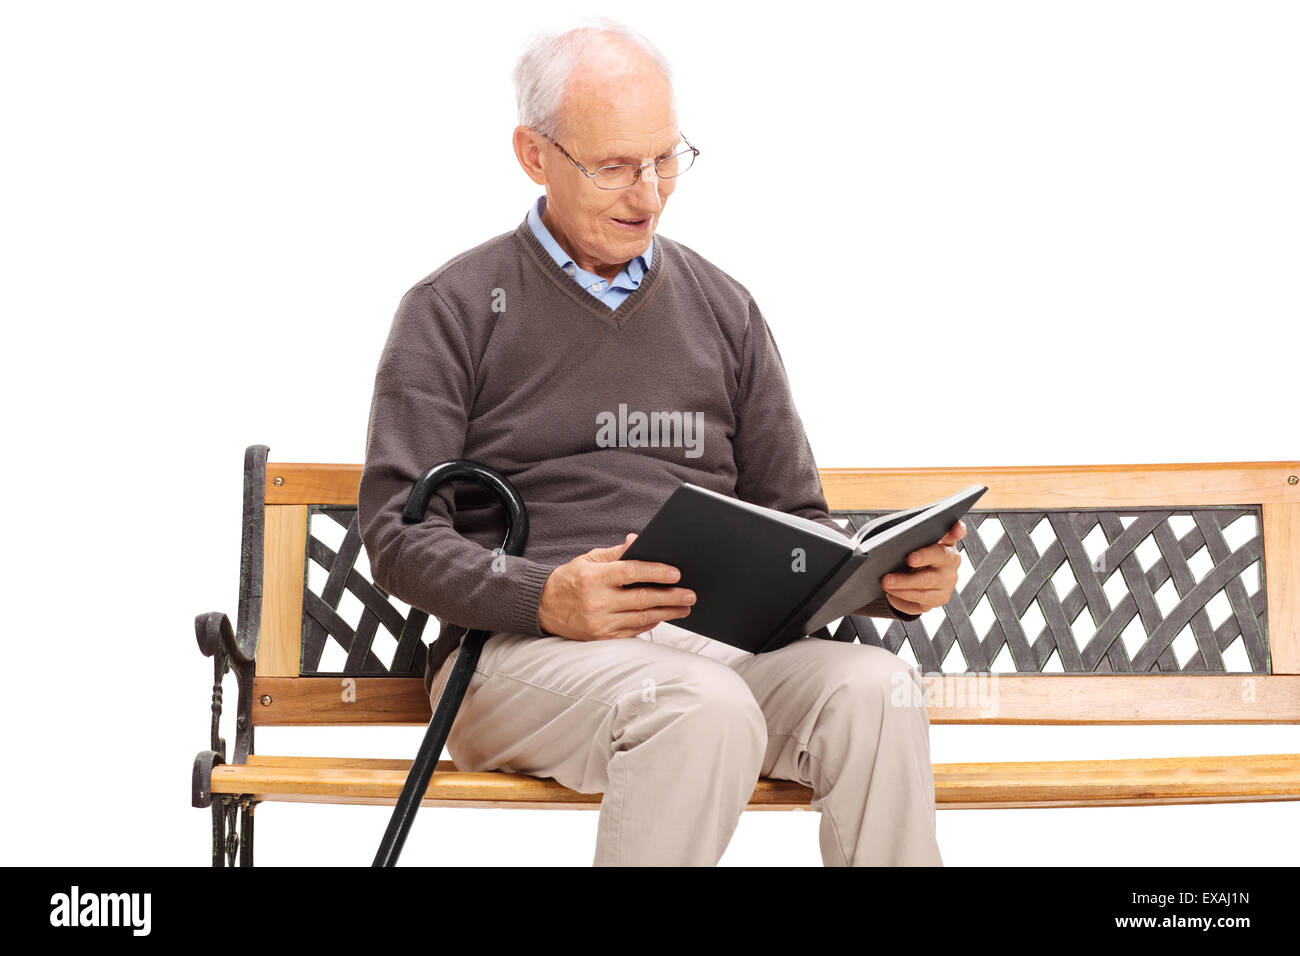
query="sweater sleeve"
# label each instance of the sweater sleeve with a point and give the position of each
(774, 460)
(423, 392)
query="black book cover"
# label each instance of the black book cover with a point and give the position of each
(763, 578)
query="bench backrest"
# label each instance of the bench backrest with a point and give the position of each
(1109, 594)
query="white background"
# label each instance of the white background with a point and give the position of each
(210, 212)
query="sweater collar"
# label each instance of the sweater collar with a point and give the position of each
(655, 268)
(629, 277)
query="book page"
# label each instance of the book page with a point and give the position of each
(804, 524)
(882, 530)
(885, 522)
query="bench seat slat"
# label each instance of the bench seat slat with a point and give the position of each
(953, 699)
(1064, 783)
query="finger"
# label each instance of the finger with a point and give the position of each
(613, 552)
(632, 623)
(922, 557)
(955, 533)
(936, 575)
(652, 599)
(929, 581)
(916, 594)
(910, 579)
(613, 555)
(934, 555)
(916, 581)
(639, 572)
(891, 582)
(938, 556)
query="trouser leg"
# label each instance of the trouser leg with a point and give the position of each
(674, 740)
(849, 721)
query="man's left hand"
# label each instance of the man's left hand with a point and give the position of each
(931, 583)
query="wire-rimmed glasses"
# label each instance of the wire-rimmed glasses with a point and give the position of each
(623, 175)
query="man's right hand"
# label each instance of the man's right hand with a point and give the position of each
(584, 600)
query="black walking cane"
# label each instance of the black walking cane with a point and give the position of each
(453, 692)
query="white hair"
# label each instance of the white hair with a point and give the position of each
(542, 73)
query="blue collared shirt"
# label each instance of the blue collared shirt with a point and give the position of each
(612, 293)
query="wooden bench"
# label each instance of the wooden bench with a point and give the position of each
(1164, 594)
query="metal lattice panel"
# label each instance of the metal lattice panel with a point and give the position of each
(1068, 592)
(1041, 592)
(350, 625)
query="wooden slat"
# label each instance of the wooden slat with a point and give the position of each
(951, 699)
(1281, 579)
(1066, 783)
(312, 701)
(1130, 782)
(1029, 486)
(279, 647)
(1067, 486)
(1113, 699)
(379, 781)
(296, 483)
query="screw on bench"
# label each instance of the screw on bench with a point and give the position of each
(453, 692)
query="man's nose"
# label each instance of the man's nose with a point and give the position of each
(651, 198)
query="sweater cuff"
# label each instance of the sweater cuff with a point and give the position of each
(528, 599)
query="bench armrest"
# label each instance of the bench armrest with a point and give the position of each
(218, 640)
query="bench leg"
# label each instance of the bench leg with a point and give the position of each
(227, 840)
(246, 832)
(218, 832)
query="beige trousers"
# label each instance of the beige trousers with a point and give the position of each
(675, 739)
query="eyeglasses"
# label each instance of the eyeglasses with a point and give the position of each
(623, 175)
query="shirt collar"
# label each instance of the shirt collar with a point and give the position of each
(633, 272)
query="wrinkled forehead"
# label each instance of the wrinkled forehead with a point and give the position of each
(622, 136)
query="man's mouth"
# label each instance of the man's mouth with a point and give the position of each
(634, 224)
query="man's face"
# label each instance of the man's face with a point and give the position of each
(609, 118)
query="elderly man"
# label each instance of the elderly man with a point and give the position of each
(511, 354)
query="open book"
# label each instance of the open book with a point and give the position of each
(763, 578)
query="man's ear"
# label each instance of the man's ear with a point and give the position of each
(528, 150)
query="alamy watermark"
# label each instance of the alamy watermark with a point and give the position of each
(102, 909)
(976, 690)
(636, 429)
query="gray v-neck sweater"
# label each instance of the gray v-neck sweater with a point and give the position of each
(499, 357)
